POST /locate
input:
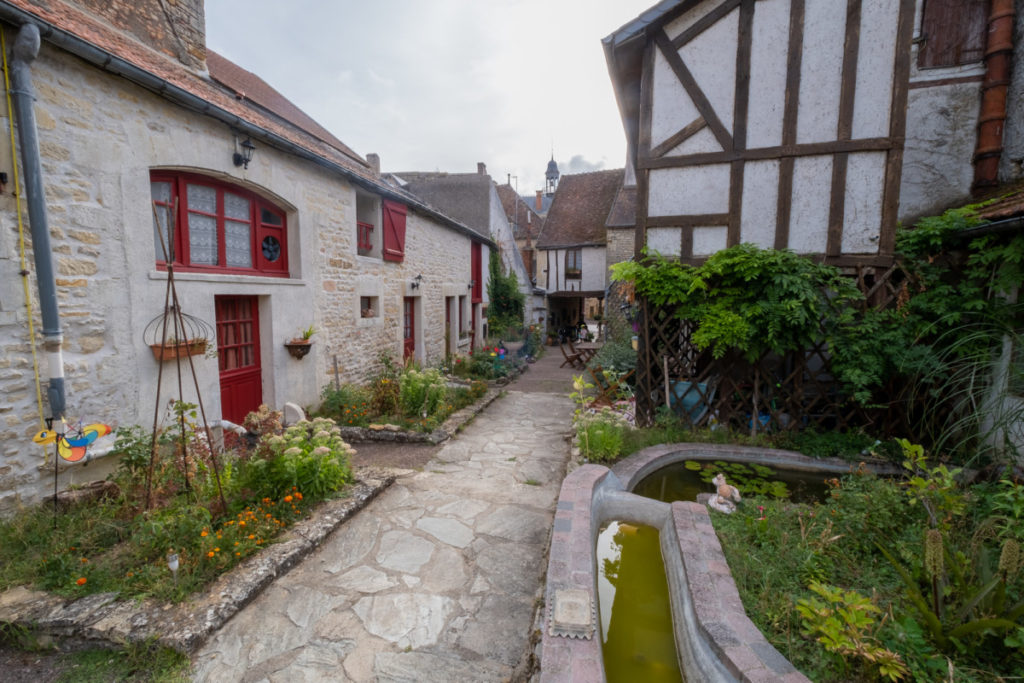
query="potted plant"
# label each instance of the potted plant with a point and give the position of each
(299, 346)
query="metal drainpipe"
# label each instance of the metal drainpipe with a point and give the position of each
(998, 54)
(25, 50)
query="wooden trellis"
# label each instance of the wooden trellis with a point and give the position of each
(773, 393)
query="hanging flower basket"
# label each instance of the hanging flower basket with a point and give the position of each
(298, 348)
(172, 350)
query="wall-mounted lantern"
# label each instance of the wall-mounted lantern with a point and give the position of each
(243, 157)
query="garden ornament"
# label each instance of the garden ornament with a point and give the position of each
(726, 497)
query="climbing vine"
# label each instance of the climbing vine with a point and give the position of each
(505, 310)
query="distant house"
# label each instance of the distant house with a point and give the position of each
(811, 125)
(472, 199)
(572, 249)
(142, 131)
(527, 225)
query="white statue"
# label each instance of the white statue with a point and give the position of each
(726, 497)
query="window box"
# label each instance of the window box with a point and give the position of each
(172, 350)
(298, 349)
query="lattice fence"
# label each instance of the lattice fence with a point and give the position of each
(773, 393)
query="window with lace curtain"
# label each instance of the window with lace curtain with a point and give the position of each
(201, 224)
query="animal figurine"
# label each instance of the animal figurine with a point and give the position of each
(726, 497)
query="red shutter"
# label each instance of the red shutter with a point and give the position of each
(394, 231)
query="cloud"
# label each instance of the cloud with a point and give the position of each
(579, 164)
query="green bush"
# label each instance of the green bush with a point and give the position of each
(421, 393)
(310, 456)
(600, 438)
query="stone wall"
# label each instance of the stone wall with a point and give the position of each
(100, 136)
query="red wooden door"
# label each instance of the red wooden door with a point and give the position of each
(238, 356)
(408, 327)
(476, 272)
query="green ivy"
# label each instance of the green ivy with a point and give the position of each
(506, 302)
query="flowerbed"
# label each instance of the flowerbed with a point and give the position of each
(176, 512)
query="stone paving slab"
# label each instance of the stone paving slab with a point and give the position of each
(438, 579)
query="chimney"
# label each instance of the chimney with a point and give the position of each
(540, 200)
(373, 159)
(481, 168)
(177, 29)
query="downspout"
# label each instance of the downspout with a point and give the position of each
(25, 50)
(998, 54)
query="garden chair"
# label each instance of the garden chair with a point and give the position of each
(584, 354)
(573, 360)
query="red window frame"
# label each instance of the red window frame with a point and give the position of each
(573, 264)
(262, 221)
(364, 238)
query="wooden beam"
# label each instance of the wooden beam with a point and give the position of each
(761, 153)
(741, 105)
(897, 128)
(704, 23)
(688, 221)
(794, 60)
(687, 132)
(689, 83)
(643, 183)
(844, 128)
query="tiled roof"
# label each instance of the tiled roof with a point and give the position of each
(1009, 203)
(463, 196)
(287, 122)
(580, 209)
(524, 220)
(248, 86)
(623, 213)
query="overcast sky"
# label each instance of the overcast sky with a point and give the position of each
(442, 84)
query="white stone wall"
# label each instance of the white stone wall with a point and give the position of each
(99, 137)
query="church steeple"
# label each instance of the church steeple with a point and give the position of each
(551, 177)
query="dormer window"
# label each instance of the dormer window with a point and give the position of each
(218, 227)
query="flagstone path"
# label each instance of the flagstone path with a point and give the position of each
(437, 579)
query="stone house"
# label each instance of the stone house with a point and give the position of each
(137, 121)
(473, 199)
(527, 225)
(572, 249)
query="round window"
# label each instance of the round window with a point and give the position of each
(271, 249)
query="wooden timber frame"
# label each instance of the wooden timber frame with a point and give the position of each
(735, 151)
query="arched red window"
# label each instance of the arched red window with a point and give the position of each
(212, 226)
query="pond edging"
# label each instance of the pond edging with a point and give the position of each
(715, 638)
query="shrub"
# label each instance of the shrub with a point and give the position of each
(421, 392)
(600, 438)
(310, 456)
(348, 404)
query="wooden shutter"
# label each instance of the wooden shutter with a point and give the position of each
(953, 32)
(394, 231)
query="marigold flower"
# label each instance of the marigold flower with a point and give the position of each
(204, 533)
(81, 581)
(242, 523)
(85, 560)
(287, 499)
(209, 554)
(298, 496)
(216, 550)
(252, 536)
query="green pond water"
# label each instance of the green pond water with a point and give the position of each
(636, 615)
(684, 480)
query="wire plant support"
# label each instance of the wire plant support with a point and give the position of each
(179, 334)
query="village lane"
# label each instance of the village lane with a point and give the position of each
(438, 578)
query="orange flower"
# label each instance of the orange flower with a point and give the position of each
(252, 536)
(287, 499)
(209, 554)
(204, 532)
(216, 550)
(81, 581)
(85, 561)
(241, 524)
(298, 496)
